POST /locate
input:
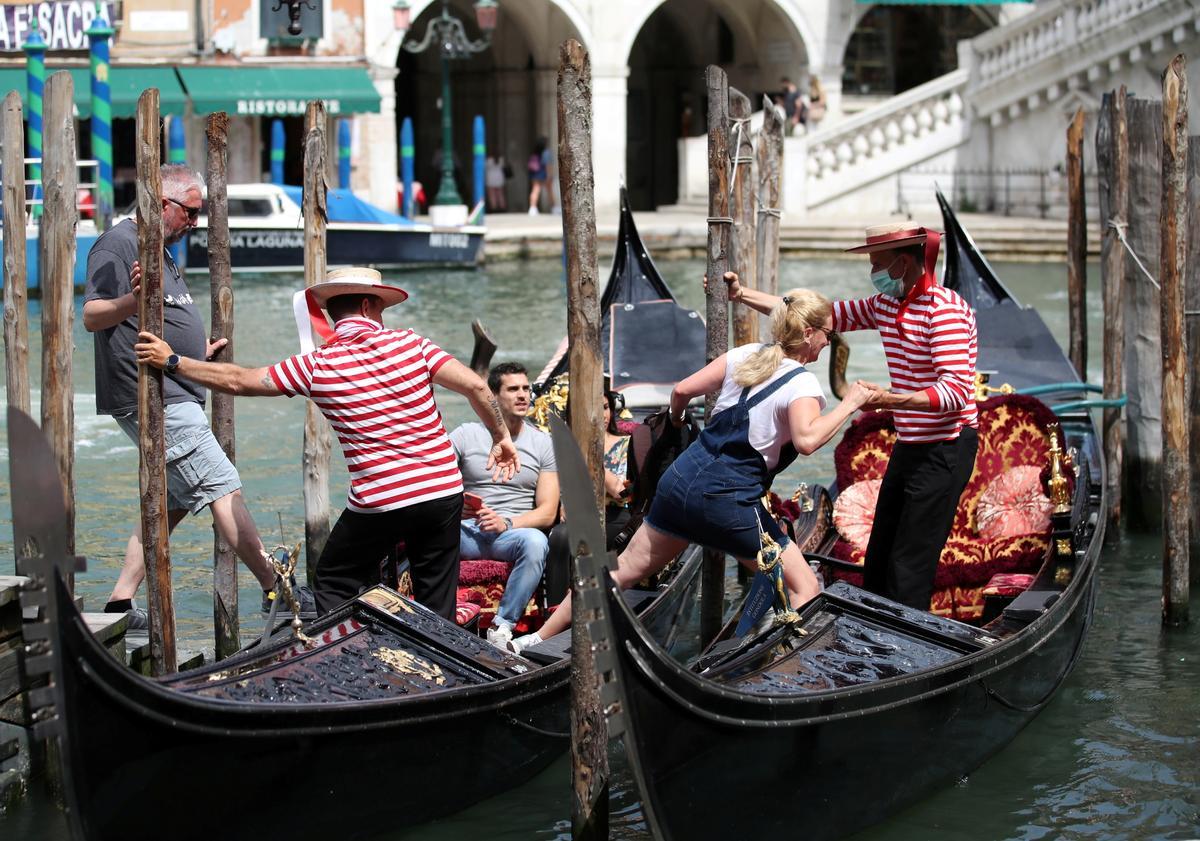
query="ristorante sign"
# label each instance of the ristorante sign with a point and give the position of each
(62, 25)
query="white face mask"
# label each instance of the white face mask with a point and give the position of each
(883, 281)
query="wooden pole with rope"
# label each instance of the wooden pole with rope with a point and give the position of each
(151, 426)
(1112, 158)
(768, 154)
(589, 728)
(318, 438)
(1176, 474)
(56, 256)
(720, 234)
(1076, 248)
(742, 207)
(226, 631)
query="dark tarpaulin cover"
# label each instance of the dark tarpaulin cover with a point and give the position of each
(654, 342)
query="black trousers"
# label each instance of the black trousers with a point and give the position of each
(918, 499)
(558, 561)
(358, 542)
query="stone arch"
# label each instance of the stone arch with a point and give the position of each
(802, 29)
(511, 84)
(891, 48)
(666, 49)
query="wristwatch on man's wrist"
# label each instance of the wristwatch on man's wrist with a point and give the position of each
(507, 523)
(172, 363)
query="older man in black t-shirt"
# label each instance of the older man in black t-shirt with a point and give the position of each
(198, 472)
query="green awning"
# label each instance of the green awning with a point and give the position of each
(125, 83)
(248, 91)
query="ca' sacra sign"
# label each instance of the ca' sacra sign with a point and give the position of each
(62, 25)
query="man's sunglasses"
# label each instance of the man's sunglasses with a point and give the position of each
(193, 213)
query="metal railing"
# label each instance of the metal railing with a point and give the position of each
(85, 195)
(1008, 191)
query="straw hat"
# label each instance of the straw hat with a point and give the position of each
(889, 236)
(356, 280)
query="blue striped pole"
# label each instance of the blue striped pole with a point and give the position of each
(277, 145)
(176, 142)
(406, 167)
(98, 38)
(35, 85)
(177, 154)
(479, 148)
(343, 146)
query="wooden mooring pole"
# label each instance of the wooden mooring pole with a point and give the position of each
(745, 240)
(1172, 271)
(56, 255)
(589, 729)
(1143, 358)
(769, 157)
(1191, 298)
(318, 439)
(1076, 247)
(151, 438)
(225, 590)
(16, 280)
(720, 224)
(1112, 158)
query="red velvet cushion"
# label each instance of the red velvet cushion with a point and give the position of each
(1013, 504)
(482, 572)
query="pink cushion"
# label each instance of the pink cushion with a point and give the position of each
(1012, 504)
(1008, 584)
(854, 512)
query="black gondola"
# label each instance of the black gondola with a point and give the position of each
(822, 727)
(648, 342)
(389, 718)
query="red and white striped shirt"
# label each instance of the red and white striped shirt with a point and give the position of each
(375, 386)
(935, 353)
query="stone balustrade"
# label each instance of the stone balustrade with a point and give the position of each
(1066, 45)
(908, 128)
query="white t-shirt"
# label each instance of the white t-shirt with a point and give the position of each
(769, 428)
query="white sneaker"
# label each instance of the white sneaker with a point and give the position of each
(528, 641)
(533, 211)
(500, 636)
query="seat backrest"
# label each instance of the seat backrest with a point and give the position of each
(1012, 433)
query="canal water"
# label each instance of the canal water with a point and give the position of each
(1115, 755)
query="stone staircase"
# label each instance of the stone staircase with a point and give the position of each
(1005, 106)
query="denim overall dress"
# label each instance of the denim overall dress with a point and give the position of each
(712, 494)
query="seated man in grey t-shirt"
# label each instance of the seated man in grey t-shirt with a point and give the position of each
(510, 523)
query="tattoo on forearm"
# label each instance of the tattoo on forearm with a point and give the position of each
(495, 407)
(267, 381)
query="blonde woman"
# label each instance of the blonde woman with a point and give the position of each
(769, 410)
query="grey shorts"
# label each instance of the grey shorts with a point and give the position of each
(198, 471)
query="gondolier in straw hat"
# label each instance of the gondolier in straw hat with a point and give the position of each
(930, 342)
(375, 386)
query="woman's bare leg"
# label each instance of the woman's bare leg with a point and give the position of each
(797, 575)
(648, 552)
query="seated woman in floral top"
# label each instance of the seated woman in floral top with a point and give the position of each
(616, 463)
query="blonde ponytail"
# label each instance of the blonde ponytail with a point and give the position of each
(799, 309)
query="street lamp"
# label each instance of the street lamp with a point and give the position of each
(453, 44)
